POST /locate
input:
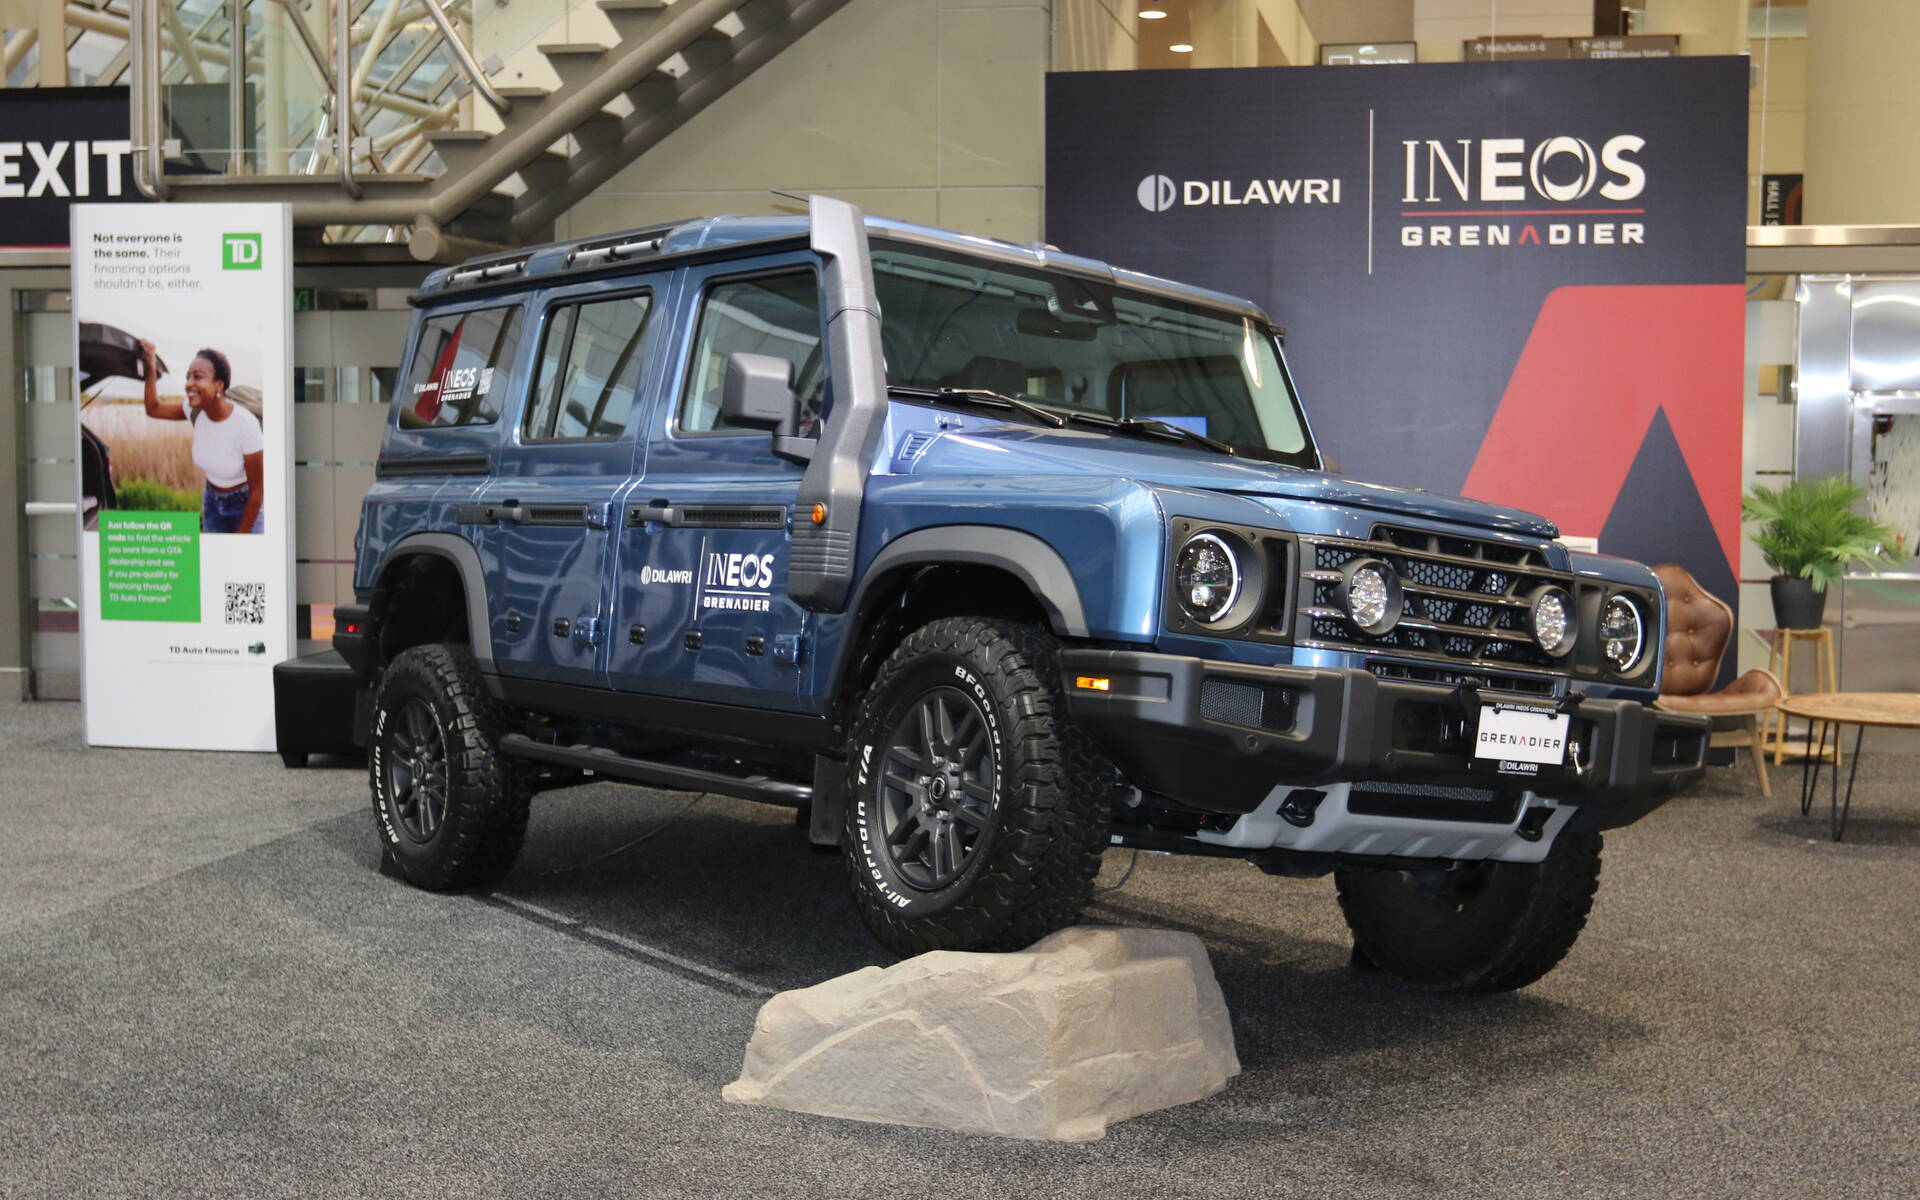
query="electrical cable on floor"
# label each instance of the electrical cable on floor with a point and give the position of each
(662, 827)
(1125, 875)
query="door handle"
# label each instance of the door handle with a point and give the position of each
(659, 510)
(510, 513)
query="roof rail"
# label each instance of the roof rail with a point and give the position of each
(614, 249)
(488, 270)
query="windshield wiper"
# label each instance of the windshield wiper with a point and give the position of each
(1149, 427)
(983, 397)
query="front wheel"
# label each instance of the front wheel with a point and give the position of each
(1479, 927)
(976, 813)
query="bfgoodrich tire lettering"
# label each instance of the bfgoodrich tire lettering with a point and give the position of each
(451, 812)
(972, 707)
(1492, 927)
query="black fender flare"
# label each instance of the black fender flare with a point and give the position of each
(473, 578)
(1026, 557)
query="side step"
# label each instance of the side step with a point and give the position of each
(638, 770)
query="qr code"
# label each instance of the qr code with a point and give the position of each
(246, 604)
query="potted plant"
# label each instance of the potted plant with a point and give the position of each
(1809, 533)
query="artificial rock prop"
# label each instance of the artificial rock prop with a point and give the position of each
(1088, 1026)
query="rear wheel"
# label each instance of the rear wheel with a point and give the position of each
(450, 810)
(976, 813)
(1480, 927)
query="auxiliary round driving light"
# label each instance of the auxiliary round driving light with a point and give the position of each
(1551, 618)
(1370, 592)
(1207, 577)
(1622, 633)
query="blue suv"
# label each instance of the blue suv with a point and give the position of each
(986, 558)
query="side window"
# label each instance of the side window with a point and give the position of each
(774, 314)
(589, 370)
(452, 379)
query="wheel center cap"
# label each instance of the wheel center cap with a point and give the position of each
(937, 789)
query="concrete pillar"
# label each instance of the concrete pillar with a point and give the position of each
(1862, 109)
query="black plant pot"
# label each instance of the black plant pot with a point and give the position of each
(1795, 604)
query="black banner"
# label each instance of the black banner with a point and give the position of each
(1517, 281)
(58, 146)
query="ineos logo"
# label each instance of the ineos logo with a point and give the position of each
(1157, 193)
(1501, 170)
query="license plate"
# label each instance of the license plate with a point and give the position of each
(1521, 735)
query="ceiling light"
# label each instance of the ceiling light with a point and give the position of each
(1152, 14)
(1181, 48)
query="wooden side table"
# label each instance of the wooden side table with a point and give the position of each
(1826, 678)
(1898, 710)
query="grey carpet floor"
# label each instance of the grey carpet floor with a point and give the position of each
(206, 988)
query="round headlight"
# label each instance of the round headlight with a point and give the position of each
(1207, 577)
(1622, 633)
(1552, 620)
(1371, 594)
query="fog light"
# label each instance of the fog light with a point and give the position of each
(1552, 620)
(1370, 592)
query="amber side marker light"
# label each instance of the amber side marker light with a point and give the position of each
(819, 514)
(1092, 683)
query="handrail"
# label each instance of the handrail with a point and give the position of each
(469, 66)
(343, 123)
(149, 162)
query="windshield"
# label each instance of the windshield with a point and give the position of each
(1081, 346)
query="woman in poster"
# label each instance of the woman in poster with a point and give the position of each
(227, 443)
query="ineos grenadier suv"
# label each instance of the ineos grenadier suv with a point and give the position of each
(987, 558)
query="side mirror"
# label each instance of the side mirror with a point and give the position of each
(758, 393)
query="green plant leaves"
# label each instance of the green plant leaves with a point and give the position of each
(1809, 528)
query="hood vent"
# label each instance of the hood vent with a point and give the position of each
(912, 446)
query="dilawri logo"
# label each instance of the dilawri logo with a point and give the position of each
(1156, 193)
(240, 252)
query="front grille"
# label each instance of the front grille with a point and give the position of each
(1465, 600)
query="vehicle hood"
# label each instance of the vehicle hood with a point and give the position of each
(1008, 449)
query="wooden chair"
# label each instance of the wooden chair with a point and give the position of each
(1699, 629)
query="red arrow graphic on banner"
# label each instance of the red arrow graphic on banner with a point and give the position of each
(1600, 362)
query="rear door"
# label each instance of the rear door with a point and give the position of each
(553, 507)
(701, 607)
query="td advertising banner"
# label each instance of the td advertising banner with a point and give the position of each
(183, 333)
(1518, 281)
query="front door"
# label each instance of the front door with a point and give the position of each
(701, 600)
(555, 502)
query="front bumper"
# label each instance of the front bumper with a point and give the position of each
(1220, 737)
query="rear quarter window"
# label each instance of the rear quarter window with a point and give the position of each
(460, 369)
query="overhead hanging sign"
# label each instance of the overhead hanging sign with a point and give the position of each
(1520, 281)
(183, 330)
(60, 147)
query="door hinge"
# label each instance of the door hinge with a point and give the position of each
(789, 649)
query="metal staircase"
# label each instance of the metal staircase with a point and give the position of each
(438, 149)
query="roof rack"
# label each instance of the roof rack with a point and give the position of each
(488, 271)
(628, 243)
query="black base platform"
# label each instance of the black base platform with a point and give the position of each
(313, 701)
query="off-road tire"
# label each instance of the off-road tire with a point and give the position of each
(1504, 925)
(1033, 865)
(484, 818)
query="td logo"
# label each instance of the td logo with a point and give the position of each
(1157, 193)
(240, 252)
